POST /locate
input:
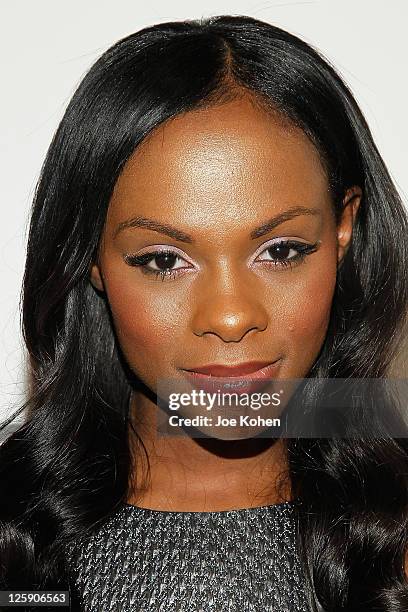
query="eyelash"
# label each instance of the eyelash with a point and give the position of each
(141, 261)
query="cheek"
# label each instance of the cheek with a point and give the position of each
(307, 316)
(147, 321)
(311, 310)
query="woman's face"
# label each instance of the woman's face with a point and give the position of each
(221, 189)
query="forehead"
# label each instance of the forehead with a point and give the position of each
(230, 160)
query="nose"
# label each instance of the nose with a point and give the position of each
(230, 317)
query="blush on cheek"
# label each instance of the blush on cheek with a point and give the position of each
(132, 318)
(135, 332)
(306, 324)
(147, 326)
(313, 312)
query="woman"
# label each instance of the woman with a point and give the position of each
(227, 159)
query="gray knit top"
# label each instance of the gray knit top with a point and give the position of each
(172, 561)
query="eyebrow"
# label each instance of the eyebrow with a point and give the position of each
(173, 232)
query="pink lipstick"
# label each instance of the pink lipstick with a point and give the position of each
(241, 378)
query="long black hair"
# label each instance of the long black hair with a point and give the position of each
(66, 469)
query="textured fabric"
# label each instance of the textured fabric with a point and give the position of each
(150, 560)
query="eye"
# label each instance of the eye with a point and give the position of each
(165, 263)
(287, 252)
(168, 264)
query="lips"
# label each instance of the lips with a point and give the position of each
(242, 369)
(242, 378)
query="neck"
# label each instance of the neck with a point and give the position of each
(202, 474)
